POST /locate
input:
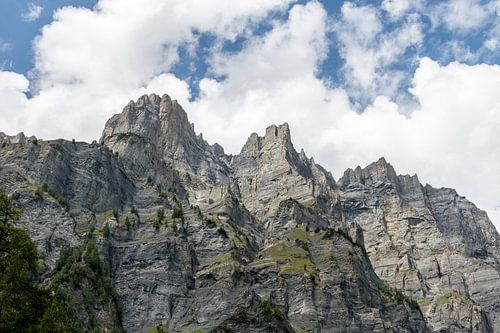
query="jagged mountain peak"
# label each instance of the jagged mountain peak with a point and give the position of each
(261, 232)
(18, 138)
(159, 120)
(274, 137)
(379, 170)
(279, 133)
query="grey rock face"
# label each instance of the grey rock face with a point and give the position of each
(434, 245)
(154, 138)
(269, 170)
(19, 138)
(266, 240)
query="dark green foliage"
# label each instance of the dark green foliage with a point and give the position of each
(53, 193)
(395, 295)
(81, 270)
(235, 200)
(221, 231)
(25, 306)
(116, 215)
(186, 196)
(177, 212)
(60, 315)
(105, 231)
(164, 195)
(160, 214)
(128, 224)
(8, 214)
(312, 277)
(176, 200)
(304, 246)
(210, 223)
(90, 233)
(22, 303)
(39, 193)
(150, 180)
(339, 232)
(134, 211)
(157, 225)
(198, 212)
(237, 230)
(271, 310)
(161, 329)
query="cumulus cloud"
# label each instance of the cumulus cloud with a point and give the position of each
(398, 8)
(33, 13)
(12, 94)
(369, 51)
(459, 15)
(450, 140)
(89, 63)
(271, 81)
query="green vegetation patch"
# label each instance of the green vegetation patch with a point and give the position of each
(422, 302)
(54, 194)
(445, 299)
(103, 217)
(28, 307)
(162, 328)
(296, 258)
(274, 311)
(395, 295)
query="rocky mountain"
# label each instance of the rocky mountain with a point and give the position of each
(196, 240)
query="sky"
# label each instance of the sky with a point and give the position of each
(417, 82)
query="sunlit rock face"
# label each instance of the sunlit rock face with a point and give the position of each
(431, 243)
(262, 241)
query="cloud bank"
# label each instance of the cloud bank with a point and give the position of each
(440, 120)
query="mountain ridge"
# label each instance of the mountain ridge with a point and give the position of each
(265, 225)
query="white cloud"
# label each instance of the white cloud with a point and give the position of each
(33, 13)
(12, 94)
(90, 63)
(4, 46)
(459, 15)
(369, 51)
(398, 8)
(271, 81)
(450, 140)
(491, 44)
(459, 51)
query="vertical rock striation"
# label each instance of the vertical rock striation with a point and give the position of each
(263, 241)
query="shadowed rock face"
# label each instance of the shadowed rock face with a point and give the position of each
(267, 241)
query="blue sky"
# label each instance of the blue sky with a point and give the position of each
(18, 32)
(442, 43)
(414, 81)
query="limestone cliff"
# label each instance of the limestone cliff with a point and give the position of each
(263, 241)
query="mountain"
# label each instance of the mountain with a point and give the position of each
(195, 240)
